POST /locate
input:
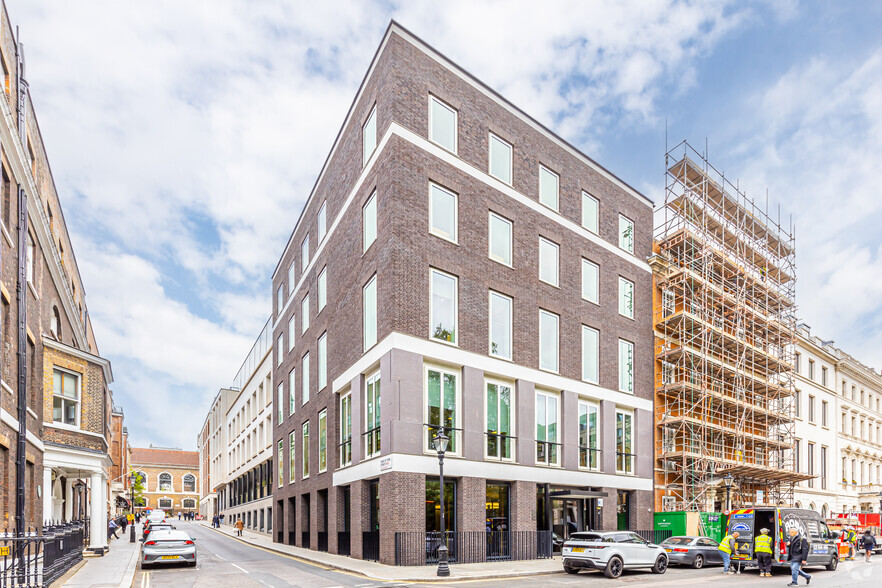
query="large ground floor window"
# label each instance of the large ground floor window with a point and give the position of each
(497, 507)
(433, 505)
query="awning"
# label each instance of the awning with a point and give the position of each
(571, 494)
(122, 501)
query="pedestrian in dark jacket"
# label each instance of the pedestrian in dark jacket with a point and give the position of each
(797, 553)
(869, 543)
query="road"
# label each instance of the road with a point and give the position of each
(225, 562)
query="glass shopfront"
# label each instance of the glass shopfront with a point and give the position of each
(433, 505)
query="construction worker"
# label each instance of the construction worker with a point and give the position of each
(851, 537)
(762, 547)
(726, 548)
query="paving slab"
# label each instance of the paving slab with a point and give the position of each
(115, 569)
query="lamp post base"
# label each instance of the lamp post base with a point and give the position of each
(443, 569)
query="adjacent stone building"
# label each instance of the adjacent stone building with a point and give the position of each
(170, 478)
(459, 268)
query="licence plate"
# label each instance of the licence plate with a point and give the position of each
(578, 550)
(169, 557)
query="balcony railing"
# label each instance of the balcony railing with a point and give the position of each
(589, 457)
(548, 452)
(371, 442)
(625, 462)
(500, 446)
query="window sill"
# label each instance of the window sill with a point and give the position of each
(594, 302)
(539, 464)
(33, 290)
(500, 262)
(550, 284)
(443, 238)
(442, 341)
(500, 357)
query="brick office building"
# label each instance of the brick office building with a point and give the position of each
(458, 265)
(170, 477)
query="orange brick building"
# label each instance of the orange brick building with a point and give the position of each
(170, 477)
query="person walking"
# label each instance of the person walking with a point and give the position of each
(762, 546)
(111, 529)
(215, 522)
(851, 537)
(239, 526)
(797, 553)
(726, 548)
(868, 542)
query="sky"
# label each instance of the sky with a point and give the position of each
(185, 135)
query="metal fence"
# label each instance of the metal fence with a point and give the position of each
(343, 543)
(417, 548)
(655, 536)
(370, 545)
(35, 561)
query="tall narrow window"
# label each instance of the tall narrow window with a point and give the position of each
(626, 297)
(345, 430)
(500, 159)
(292, 278)
(548, 187)
(369, 221)
(549, 338)
(626, 366)
(304, 314)
(322, 287)
(549, 259)
(824, 414)
(65, 398)
(304, 253)
(281, 401)
(547, 442)
(323, 440)
(588, 435)
(372, 413)
(291, 453)
(304, 374)
(304, 444)
(369, 137)
(441, 401)
(500, 239)
(590, 212)
(443, 313)
(590, 355)
(590, 281)
(30, 259)
(500, 325)
(292, 386)
(292, 332)
(322, 222)
(369, 313)
(281, 460)
(824, 468)
(442, 213)
(442, 124)
(499, 420)
(624, 442)
(323, 361)
(280, 300)
(280, 350)
(626, 234)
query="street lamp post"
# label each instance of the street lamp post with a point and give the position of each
(132, 509)
(440, 442)
(728, 481)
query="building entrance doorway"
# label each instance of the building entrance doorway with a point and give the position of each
(574, 510)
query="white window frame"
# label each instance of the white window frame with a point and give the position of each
(322, 361)
(626, 306)
(304, 314)
(280, 350)
(292, 278)
(292, 332)
(626, 242)
(304, 379)
(369, 381)
(512, 427)
(591, 224)
(556, 207)
(323, 438)
(292, 387)
(442, 104)
(588, 265)
(633, 451)
(281, 400)
(455, 436)
(455, 340)
(345, 407)
(280, 300)
(304, 253)
(369, 136)
(548, 313)
(321, 221)
(292, 461)
(490, 300)
(545, 395)
(438, 233)
(77, 401)
(624, 386)
(497, 138)
(159, 487)
(589, 404)
(543, 242)
(369, 222)
(30, 256)
(586, 376)
(304, 449)
(490, 231)
(322, 288)
(369, 329)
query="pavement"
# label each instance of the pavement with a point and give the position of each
(116, 568)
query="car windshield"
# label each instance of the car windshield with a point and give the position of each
(677, 541)
(169, 536)
(586, 537)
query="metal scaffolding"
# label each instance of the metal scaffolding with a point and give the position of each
(724, 318)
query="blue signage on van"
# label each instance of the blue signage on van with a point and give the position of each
(740, 527)
(745, 515)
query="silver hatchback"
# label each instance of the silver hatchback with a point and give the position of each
(165, 547)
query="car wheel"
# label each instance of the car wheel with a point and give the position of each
(571, 570)
(834, 561)
(661, 565)
(698, 562)
(614, 567)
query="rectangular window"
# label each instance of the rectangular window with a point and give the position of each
(292, 386)
(811, 409)
(304, 443)
(322, 222)
(797, 462)
(500, 325)
(280, 350)
(588, 450)
(590, 281)
(797, 401)
(796, 361)
(590, 355)
(441, 402)
(369, 137)
(626, 297)
(547, 442)
(626, 234)
(292, 333)
(345, 430)
(280, 300)
(30, 260)
(549, 337)
(811, 463)
(442, 124)
(811, 373)
(823, 376)
(322, 288)
(548, 187)
(823, 468)
(372, 412)
(292, 278)
(323, 440)
(304, 314)
(65, 398)
(323, 361)
(500, 239)
(304, 253)
(442, 213)
(291, 453)
(499, 421)
(500, 159)
(443, 312)
(281, 459)
(369, 222)
(281, 401)
(304, 373)
(549, 259)
(823, 413)
(624, 442)
(590, 212)
(626, 366)
(369, 313)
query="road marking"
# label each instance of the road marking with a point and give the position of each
(219, 557)
(241, 568)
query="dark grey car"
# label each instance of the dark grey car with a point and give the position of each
(692, 551)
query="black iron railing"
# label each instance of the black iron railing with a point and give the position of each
(655, 535)
(322, 540)
(35, 561)
(625, 462)
(589, 457)
(345, 449)
(500, 446)
(371, 442)
(292, 538)
(415, 548)
(304, 539)
(548, 452)
(344, 543)
(370, 545)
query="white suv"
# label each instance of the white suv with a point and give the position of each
(613, 552)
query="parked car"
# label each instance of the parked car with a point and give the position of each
(613, 552)
(168, 546)
(692, 551)
(155, 527)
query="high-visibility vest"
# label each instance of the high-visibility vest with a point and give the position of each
(763, 544)
(724, 546)
(851, 536)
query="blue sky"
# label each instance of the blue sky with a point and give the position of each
(185, 135)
